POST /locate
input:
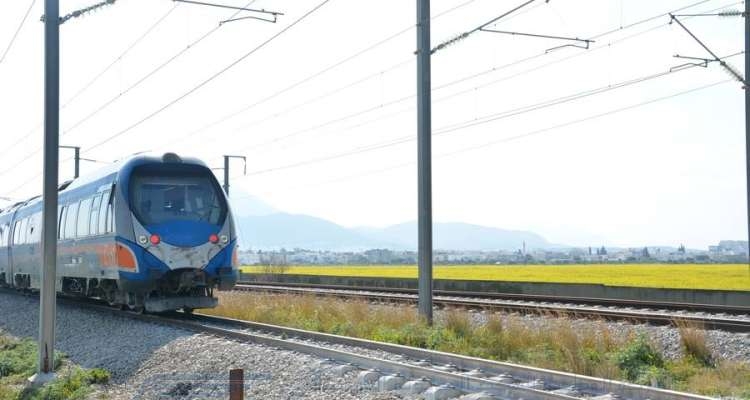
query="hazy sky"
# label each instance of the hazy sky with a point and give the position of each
(657, 161)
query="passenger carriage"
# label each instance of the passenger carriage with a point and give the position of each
(148, 233)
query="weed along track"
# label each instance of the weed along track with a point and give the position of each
(380, 366)
(412, 370)
(605, 309)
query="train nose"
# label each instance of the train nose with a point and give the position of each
(183, 233)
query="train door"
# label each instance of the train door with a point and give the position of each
(18, 258)
(4, 251)
(34, 252)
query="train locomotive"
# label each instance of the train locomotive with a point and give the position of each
(149, 234)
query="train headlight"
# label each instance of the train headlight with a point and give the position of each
(143, 240)
(213, 238)
(224, 239)
(155, 239)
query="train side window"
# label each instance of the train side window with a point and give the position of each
(70, 221)
(19, 232)
(110, 219)
(34, 229)
(4, 235)
(25, 231)
(103, 213)
(83, 218)
(94, 215)
(61, 223)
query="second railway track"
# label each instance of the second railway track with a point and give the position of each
(733, 319)
(385, 366)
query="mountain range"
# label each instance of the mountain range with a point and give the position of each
(261, 226)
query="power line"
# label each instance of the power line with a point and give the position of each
(148, 75)
(326, 69)
(209, 79)
(588, 118)
(463, 79)
(473, 76)
(466, 34)
(92, 81)
(523, 135)
(599, 35)
(120, 57)
(119, 95)
(474, 122)
(371, 47)
(15, 34)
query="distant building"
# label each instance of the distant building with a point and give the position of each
(730, 248)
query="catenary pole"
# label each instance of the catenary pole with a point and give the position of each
(226, 175)
(424, 158)
(226, 170)
(747, 114)
(76, 158)
(49, 190)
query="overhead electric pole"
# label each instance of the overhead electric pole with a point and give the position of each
(747, 114)
(47, 290)
(47, 304)
(424, 159)
(76, 158)
(736, 75)
(226, 171)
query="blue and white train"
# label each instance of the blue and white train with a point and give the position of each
(149, 233)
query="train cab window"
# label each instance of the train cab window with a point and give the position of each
(94, 216)
(190, 193)
(103, 208)
(70, 221)
(83, 218)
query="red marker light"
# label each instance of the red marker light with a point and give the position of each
(155, 239)
(213, 238)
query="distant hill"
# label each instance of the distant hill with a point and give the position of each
(244, 204)
(302, 231)
(299, 231)
(460, 236)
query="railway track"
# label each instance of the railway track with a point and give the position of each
(437, 375)
(714, 317)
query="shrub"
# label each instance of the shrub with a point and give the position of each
(637, 358)
(73, 384)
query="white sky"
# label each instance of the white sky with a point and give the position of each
(666, 173)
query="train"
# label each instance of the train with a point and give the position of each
(149, 234)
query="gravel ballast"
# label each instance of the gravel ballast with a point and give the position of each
(151, 361)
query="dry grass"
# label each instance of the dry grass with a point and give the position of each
(594, 350)
(693, 341)
(500, 338)
(727, 379)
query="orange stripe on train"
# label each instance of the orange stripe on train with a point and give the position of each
(111, 255)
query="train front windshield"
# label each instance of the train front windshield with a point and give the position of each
(161, 196)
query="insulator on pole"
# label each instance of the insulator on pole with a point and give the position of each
(732, 71)
(731, 13)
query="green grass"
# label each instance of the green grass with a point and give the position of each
(595, 350)
(680, 276)
(18, 362)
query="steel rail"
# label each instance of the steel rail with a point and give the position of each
(574, 311)
(468, 374)
(598, 301)
(586, 384)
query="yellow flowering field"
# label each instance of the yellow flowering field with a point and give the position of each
(683, 276)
